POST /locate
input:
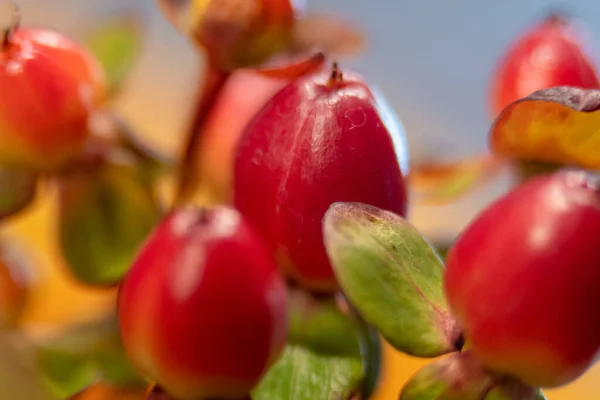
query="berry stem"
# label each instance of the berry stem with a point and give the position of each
(336, 75)
(189, 174)
(14, 25)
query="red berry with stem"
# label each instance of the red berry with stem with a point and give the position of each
(323, 138)
(547, 55)
(203, 308)
(523, 279)
(49, 85)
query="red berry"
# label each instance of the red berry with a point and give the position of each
(203, 308)
(49, 87)
(524, 280)
(549, 54)
(323, 138)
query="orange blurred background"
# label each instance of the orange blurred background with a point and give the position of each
(157, 102)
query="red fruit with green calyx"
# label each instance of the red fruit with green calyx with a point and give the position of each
(50, 85)
(549, 54)
(203, 308)
(324, 138)
(523, 280)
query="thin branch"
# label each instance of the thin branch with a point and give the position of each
(189, 176)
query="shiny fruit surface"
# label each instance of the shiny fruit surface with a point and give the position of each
(323, 138)
(523, 279)
(549, 54)
(49, 86)
(203, 308)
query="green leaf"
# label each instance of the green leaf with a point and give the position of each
(461, 376)
(116, 44)
(320, 325)
(513, 390)
(456, 377)
(304, 374)
(105, 214)
(329, 353)
(17, 190)
(66, 373)
(392, 276)
(19, 375)
(80, 355)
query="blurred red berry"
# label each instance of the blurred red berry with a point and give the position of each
(50, 85)
(203, 308)
(549, 54)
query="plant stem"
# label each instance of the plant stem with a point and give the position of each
(189, 175)
(530, 169)
(13, 27)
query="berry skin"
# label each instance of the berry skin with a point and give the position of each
(323, 138)
(203, 308)
(547, 55)
(50, 86)
(523, 280)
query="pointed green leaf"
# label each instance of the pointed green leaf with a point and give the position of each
(19, 375)
(514, 390)
(116, 44)
(17, 190)
(319, 324)
(456, 377)
(80, 355)
(303, 374)
(66, 373)
(329, 353)
(392, 276)
(105, 214)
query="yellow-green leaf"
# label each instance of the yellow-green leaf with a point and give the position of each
(116, 43)
(391, 274)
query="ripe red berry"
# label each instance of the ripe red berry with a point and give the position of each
(549, 54)
(524, 279)
(203, 308)
(323, 138)
(49, 87)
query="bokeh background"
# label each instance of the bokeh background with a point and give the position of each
(432, 59)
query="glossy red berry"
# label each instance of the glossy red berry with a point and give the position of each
(203, 308)
(523, 279)
(323, 138)
(49, 85)
(547, 55)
